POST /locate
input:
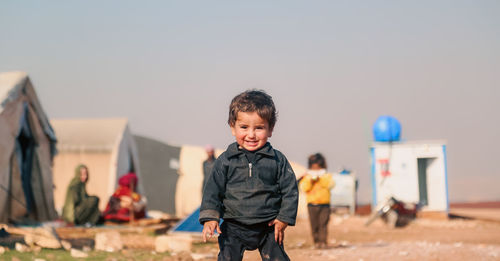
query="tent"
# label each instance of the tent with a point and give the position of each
(159, 166)
(27, 147)
(105, 145)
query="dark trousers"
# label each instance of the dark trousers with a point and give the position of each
(237, 237)
(319, 215)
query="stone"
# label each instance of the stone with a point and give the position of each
(202, 256)
(22, 248)
(66, 245)
(108, 241)
(45, 237)
(2, 250)
(173, 243)
(78, 254)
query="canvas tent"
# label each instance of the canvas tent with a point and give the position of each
(27, 147)
(159, 166)
(105, 145)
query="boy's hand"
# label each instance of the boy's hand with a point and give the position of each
(208, 229)
(279, 230)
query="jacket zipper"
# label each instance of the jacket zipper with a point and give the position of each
(250, 169)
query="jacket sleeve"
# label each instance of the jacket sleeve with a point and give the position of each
(331, 183)
(306, 184)
(289, 193)
(213, 194)
(327, 182)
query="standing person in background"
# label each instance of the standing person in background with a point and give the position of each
(316, 183)
(80, 208)
(208, 164)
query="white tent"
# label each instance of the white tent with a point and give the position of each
(27, 146)
(105, 145)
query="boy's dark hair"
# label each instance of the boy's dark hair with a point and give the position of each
(318, 159)
(253, 101)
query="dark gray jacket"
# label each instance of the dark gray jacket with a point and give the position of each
(251, 193)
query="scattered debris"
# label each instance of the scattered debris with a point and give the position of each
(45, 237)
(173, 243)
(395, 213)
(108, 241)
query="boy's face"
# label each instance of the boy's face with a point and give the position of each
(251, 131)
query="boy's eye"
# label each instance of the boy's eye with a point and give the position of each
(243, 126)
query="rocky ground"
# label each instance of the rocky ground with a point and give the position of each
(349, 239)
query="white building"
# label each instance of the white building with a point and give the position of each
(413, 172)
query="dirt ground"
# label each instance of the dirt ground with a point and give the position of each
(349, 239)
(423, 239)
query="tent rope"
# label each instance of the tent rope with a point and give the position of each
(12, 196)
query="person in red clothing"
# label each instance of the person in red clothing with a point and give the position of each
(126, 204)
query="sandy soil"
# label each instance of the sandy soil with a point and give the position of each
(423, 239)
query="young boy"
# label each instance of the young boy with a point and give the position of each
(252, 186)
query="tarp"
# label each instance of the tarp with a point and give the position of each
(189, 224)
(27, 147)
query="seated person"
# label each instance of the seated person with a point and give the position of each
(80, 208)
(124, 200)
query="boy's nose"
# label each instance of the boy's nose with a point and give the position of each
(251, 134)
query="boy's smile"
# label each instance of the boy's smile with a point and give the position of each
(251, 131)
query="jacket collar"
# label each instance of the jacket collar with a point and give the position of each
(234, 149)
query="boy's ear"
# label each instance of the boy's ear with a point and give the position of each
(233, 130)
(270, 132)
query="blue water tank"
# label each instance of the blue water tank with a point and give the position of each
(386, 129)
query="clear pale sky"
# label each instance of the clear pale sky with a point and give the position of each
(332, 67)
